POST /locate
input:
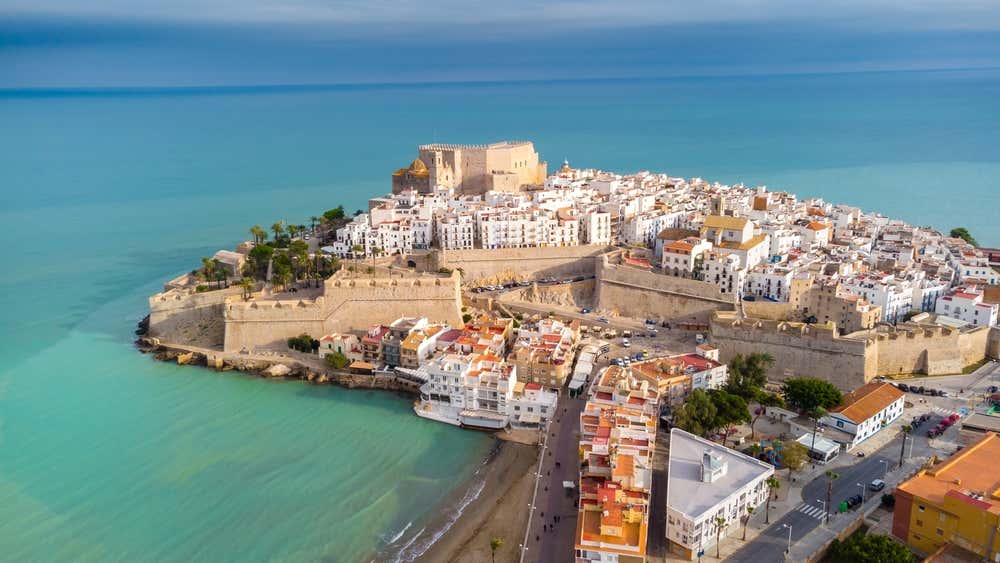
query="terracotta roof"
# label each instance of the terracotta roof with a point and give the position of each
(867, 401)
(973, 469)
(816, 226)
(725, 222)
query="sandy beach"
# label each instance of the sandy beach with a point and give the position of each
(499, 511)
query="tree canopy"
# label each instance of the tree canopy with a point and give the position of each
(747, 375)
(808, 394)
(964, 234)
(794, 455)
(868, 548)
(333, 215)
(706, 412)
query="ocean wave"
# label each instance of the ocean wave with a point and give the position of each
(414, 549)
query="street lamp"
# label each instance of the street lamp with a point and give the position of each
(885, 470)
(823, 502)
(862, 492)
(789, 548)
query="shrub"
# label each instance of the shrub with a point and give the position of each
(337, 360)
(466, 318)
(303, 343)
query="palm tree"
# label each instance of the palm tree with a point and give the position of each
(312, 223)
(293, 230)
(772, 485)
(495, 544)
(258, 234)
(375, 251)
(208, 269)
(355, 250)
(278, 229)
(720, 524)
(248, 286)
(830, 478)
(904, 431)
(746, 521)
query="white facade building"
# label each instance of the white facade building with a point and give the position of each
(966, 304)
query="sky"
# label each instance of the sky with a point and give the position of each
(153, 43)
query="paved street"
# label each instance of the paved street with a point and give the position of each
(549, 541)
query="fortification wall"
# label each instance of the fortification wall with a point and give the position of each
(798, 350)
(179, 315)
(557, 261)
(346, 305)
(640, 293)
(769, 310)
(930, 350)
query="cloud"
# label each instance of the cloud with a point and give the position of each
(514, 16)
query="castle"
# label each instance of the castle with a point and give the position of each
(472, 169)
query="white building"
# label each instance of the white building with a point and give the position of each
(895, 297)
(481, 391)
(772, 283)
(456, 231)
(595, 228)
(724, 270)
(865, 411)
(966, 304)
(706, 481)
(680, 256)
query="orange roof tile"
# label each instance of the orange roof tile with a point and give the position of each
(866, 401)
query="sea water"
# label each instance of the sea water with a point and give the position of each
(106, 454)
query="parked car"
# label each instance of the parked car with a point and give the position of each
(918, 390)
(876, 485)
(854, 501)
(933, 433)
(585, 311)
(626, 343)
(903, 386)
(860, 454)
(651, 322)
(929, 391)
(925, 417)
(953, 418)
(602, 319)
(943, 393)
(994, 389)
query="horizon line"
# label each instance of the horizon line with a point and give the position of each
(223, 89)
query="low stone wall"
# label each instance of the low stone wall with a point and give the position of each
(634, 292)
(929, 350)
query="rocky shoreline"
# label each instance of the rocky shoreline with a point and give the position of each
(278, 368)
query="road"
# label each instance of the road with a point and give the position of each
(770, 545)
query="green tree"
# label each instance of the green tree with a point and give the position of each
(278, 229)
(807, 394)
(747, 375)
(258, 258)
(355, 251)
(794, 455)
(495, 544)
(862, 547)
(720, 525)
(248, 284)
(697, 414)
(730, 410)
(208, 267)
(333, 215)
(964, 234)
(337, 360)
(312, 223)
(258, 234)
(773, 484)
(293, 230)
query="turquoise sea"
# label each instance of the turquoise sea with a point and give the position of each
(106, 454)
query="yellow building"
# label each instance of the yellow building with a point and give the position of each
(955, 502)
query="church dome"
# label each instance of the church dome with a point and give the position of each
(418, 166)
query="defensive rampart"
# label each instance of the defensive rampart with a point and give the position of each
(802, 350)
(634, 292)
(347, 304)
(799, 350)
(554, 261)
(182, 315)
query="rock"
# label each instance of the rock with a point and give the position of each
(277, 370)
(183, 359)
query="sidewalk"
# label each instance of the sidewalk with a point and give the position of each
(807, 548)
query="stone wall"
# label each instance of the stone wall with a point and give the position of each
(802, 350)
(633, 292)
(929, 350)
(557, 261)
(181, 315)
(346, 305)
(772, 311)
(799, 350)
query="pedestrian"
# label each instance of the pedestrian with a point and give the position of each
(545, 527)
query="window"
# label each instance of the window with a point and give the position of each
(921, 507)
(940, 532)
(920, 522)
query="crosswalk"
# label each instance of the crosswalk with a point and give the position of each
(811, 510)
